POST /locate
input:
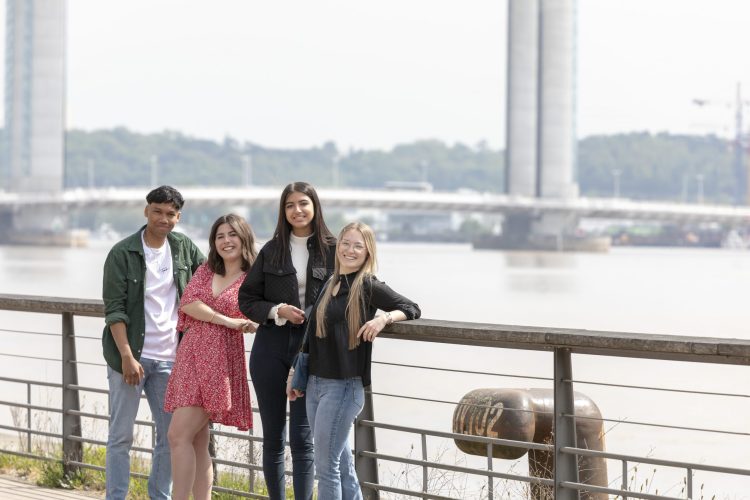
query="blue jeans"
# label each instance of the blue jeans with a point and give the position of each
(124, 400)
(332, 406)
(273, 350)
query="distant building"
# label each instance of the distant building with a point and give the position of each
(34, 95)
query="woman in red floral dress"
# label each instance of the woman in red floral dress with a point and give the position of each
(209, 378)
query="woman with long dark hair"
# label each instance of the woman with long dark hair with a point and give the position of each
(286, 278)
(342, 328)
(209, 379)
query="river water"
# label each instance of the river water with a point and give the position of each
(697, 292)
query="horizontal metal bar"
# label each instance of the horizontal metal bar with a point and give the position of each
(441, 401)
(29, 455)
(30, 406)
(81, 439)
(88, 363)
(656, 461)
(236, 435)
(602, 343)
(456, 468)
(87, 414)
(237, 493)
(239, 465)
(51, 305)
(32, 382)
(605, 343)
(454, 370)
(144, 423)
(84, 388)
(88, 466)
(662, 426)
(244, 465)
(400, 491)
(26, 430)
(98, 442)
(27, 332)
(454, 435)
(665, 389)
(38, 358)
(621, 493)
(149, 450)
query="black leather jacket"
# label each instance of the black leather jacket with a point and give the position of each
(266, 285)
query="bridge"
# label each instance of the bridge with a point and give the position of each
(401, 200)
(542, 199)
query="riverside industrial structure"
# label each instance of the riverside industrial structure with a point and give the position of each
(541, 207)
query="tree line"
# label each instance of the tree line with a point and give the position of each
(638, 165)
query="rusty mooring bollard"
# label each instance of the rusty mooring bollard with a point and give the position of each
(527, 415)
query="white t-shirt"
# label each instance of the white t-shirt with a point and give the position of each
(160, 304)
(300, 256)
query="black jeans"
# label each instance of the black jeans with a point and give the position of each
(273, 351)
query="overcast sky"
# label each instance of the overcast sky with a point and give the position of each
(374, 74)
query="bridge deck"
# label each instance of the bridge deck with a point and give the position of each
(13, 488)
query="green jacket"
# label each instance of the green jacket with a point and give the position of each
(124, 281)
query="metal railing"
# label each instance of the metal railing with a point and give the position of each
(561, 343)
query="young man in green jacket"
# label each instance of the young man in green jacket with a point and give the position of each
(144, 277)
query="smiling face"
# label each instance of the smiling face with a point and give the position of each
(351, 252)
(299, 211)
(228, 243)
(161, 218)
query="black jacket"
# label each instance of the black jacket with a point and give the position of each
(266, 285)
(330, 357)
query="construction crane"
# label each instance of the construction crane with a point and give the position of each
(741, 177)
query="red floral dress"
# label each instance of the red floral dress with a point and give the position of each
(209, 370)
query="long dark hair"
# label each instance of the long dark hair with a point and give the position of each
(323, 236)
(244, 231)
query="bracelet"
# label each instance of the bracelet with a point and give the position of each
(388, 318)
(212, 317)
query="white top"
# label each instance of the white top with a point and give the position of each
(300, 256)
(160, 304)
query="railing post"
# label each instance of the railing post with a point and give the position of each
(425, 476)
(251, 460)
(364, 440)
(490, 479)
(28, 418)
(566, 466)
(71, 424)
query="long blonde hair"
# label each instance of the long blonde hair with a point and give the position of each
(355, 303)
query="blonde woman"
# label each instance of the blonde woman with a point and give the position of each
(342, 329)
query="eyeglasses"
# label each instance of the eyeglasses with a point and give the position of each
(347, 245)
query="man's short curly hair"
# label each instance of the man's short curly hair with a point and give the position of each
(166, 194)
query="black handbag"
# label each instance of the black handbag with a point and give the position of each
(301, 371)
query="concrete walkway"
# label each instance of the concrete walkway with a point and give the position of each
(12, 488)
